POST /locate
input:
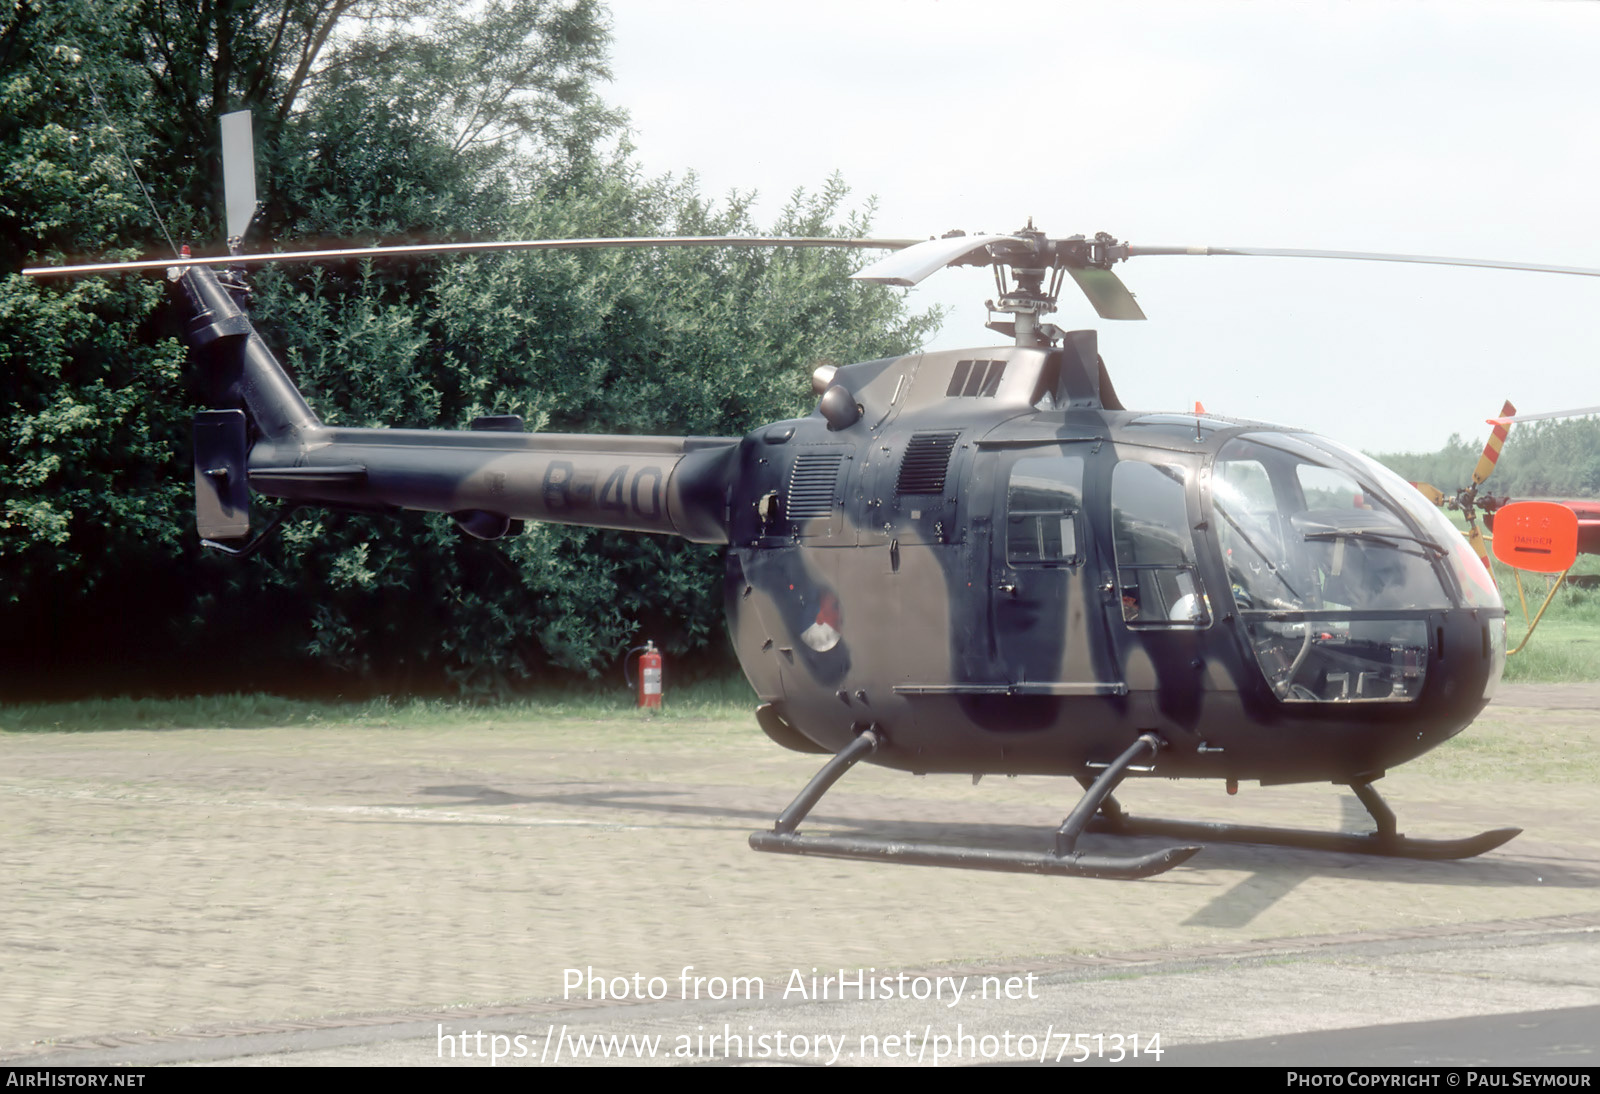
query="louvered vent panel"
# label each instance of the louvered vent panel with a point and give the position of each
(926, 461)
(975, 379)
(991, 379)
(811, 484)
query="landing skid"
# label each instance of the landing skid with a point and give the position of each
(1114, 867)
(1066, 860)
(1098, 811)
(1385, 841)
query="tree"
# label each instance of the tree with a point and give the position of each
(375, 119)
(1555, 458)
(708, 342)
(90, 386)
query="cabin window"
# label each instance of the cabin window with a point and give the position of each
(1156, 573)
(1042, 506)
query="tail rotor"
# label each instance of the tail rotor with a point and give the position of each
(1466, 499)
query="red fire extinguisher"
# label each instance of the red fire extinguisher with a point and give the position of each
(649, 674)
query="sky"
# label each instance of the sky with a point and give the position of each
(1456, 129)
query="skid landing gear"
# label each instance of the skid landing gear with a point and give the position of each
(1066, 859)
(1385, 841)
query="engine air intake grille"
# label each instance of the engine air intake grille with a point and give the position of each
(926, 462)
(811, 484)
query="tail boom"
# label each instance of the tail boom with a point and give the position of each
(672, 485)
(485, 477)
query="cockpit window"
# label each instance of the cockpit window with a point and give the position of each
(1252, 531)
(1155, 547)
(1326, 552)
(1476, 585)
(1300, 535)
(1325, 488)
(1247, 484)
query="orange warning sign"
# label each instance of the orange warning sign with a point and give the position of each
(1541, 536)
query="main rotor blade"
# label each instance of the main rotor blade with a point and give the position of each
(478, 248)
(930, 256)
(1105, 290)
(1366, 256)
(1581, 412)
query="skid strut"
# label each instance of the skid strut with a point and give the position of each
(1066, 860)
(1387, 840)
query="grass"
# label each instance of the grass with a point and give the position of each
(1500, 747)
(1565, 648)
(713, 700)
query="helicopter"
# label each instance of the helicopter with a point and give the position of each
(967, 561)
(1468, 501)
(1541, 536)
(1587, 510)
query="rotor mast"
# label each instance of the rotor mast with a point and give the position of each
(1031, 257)
(1029, 269)
(1024, 296)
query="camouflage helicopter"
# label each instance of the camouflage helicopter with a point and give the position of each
(975, 561)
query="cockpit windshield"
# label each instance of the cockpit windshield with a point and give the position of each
(1327, 553)
(1476, 586)
(1306, 526)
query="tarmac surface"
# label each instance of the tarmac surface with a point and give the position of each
(466, 896)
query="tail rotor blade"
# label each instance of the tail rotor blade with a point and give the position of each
(1475, 538)
(238, 173)
(1431, 492)
(1491, 451)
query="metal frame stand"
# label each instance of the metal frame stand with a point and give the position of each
(1066, 860)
